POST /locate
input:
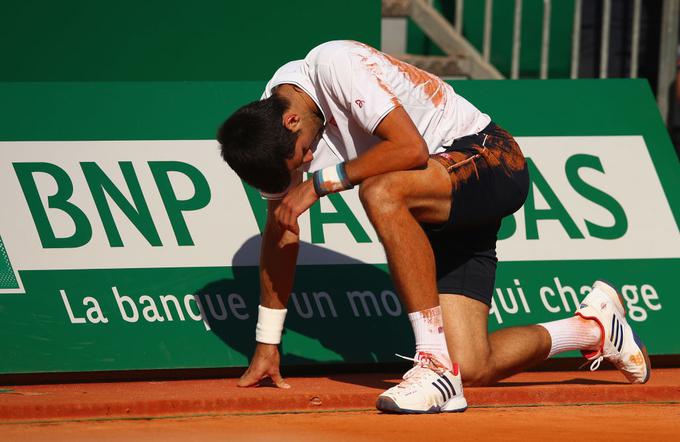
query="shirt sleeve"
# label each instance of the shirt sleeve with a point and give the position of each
(356, 84)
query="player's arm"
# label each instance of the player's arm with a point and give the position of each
(348, 78)
(401, 147)
(278, 258)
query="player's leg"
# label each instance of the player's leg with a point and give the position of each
(467, 279)
(399, 204)
(487, 186)
(484, 359)
(395, 203)
(466, 267)
(599, 330)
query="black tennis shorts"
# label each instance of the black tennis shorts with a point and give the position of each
(490, 181)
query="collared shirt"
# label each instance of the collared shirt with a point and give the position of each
(355, 86)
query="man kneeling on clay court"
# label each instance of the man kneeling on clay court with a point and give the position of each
(436, 177)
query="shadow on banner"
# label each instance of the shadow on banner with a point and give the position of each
(341, 313)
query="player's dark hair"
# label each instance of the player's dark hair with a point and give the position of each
(255, 143)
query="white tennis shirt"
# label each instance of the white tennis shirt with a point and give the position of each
(356, 86)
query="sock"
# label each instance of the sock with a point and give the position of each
(573, 333)
(428, 328)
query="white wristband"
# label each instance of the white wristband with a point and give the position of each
(269, 325)
(331, 179)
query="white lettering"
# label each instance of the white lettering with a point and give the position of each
(648, 294)
(120, 301)
(544, 291)
(190, 311)
(512, 309)
(523, 298)
(71, 317)
(630, 294)
(150, 312)
(94, 313)
(171, 298)
(494, 311)
(564, 291)
(201, 309)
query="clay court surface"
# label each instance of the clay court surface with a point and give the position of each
(559, 423)
(597, 406)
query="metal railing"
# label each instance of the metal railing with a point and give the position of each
(667, 55)
(467, 61)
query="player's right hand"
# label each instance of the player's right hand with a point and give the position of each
(297, 201)
(265, 364)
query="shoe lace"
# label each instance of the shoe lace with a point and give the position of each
(594, 364)
(421, 364)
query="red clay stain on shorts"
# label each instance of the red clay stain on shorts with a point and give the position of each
(498, 152)
(507, 149)
(460, 166)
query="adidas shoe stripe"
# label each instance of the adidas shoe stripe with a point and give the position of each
(446, 387)
(453, 390)
(617, 333)
(444, 396)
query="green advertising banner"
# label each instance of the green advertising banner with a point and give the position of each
(127, 244)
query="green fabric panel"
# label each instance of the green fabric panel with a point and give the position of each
(80, 40)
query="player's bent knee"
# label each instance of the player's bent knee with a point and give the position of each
(378, 195)
(476, 380)
(476, 375)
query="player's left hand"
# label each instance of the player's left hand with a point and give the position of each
(265, 364)
(298, 199)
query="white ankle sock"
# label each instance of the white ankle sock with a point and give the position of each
(573, 333)
(428, 328)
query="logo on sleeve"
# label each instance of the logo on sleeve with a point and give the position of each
(360, 103)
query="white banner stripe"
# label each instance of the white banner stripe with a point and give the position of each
(225, 232)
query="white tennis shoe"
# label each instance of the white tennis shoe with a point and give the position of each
(619, 343)
(428, 387)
